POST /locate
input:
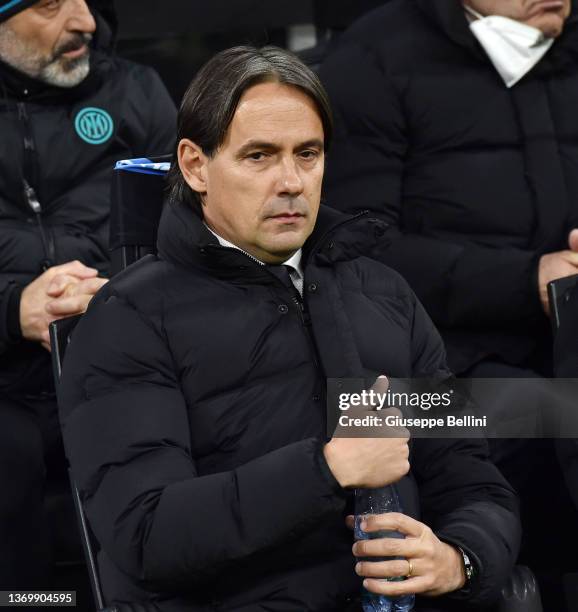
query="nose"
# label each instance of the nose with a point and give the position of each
(290, 181)
(80, 18)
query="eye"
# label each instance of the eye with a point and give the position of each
(309, 154)
(49, 5)
(257, 156)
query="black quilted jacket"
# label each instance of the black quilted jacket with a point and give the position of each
(193, 410)
(478, 180)
(63, 144)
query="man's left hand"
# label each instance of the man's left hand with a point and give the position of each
(71, 297)
(436, 567)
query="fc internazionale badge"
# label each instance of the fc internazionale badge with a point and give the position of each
(94, 125)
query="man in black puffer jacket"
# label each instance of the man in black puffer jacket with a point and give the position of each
(66, 116)
(192, 396)
(477, 178)
(458, 128)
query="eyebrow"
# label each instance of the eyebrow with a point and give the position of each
(270, 146)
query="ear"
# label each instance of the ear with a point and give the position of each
(193, 165)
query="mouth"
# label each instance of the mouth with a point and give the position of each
(76, 52)
(547, 6)
(288, 217)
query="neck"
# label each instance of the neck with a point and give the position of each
(261, 257)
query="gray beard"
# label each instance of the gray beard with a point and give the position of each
(58, 71)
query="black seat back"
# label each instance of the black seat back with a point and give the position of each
(136, 206)
(60, 333)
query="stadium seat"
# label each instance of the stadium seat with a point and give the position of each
(60, 332)
(136, 204)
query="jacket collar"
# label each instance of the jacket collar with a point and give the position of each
(448, 15)
(184, 239)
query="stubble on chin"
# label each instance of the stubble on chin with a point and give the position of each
(54, 70)
(66, 73)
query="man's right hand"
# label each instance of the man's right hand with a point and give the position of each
(34, 318)
(553, 266)
(370, 463)
(367, 463)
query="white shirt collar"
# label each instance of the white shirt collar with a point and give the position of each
(293, 262)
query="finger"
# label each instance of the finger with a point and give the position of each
(573, 240)
(76, 268)
(393, 431)
(350, 521)
(381, 385)
(90, 286)
(65, 285)
(384, 569)
(46, 345)
(387, 547)
(393, 521)
(386, 430)
(395, 412)
(398, 588)
(45, 337)
(572, 257)
(67, 306)
(59, 284)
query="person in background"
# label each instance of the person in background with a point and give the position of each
(455, 123)
(68, 109)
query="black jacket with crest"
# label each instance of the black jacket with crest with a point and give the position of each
(64, 143)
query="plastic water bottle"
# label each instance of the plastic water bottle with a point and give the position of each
(379, 501)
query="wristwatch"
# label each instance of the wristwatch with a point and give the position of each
(469, 570)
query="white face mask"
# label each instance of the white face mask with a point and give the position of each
(513, 47)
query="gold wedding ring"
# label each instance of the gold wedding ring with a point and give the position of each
(410, 570)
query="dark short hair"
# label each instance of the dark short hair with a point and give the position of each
(212, 98)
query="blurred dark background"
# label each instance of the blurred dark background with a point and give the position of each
(177, 36)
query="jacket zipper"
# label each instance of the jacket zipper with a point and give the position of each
(307, 330)
(304, 316)
(301, 310)
(30, 197)
(45, 235)
(306, 324)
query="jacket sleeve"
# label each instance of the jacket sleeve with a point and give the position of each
(459, 284)
(464, 498)
(10, 333)
(126, 433)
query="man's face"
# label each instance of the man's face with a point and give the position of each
(546, 15)
(261, 189)
(49, 41)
